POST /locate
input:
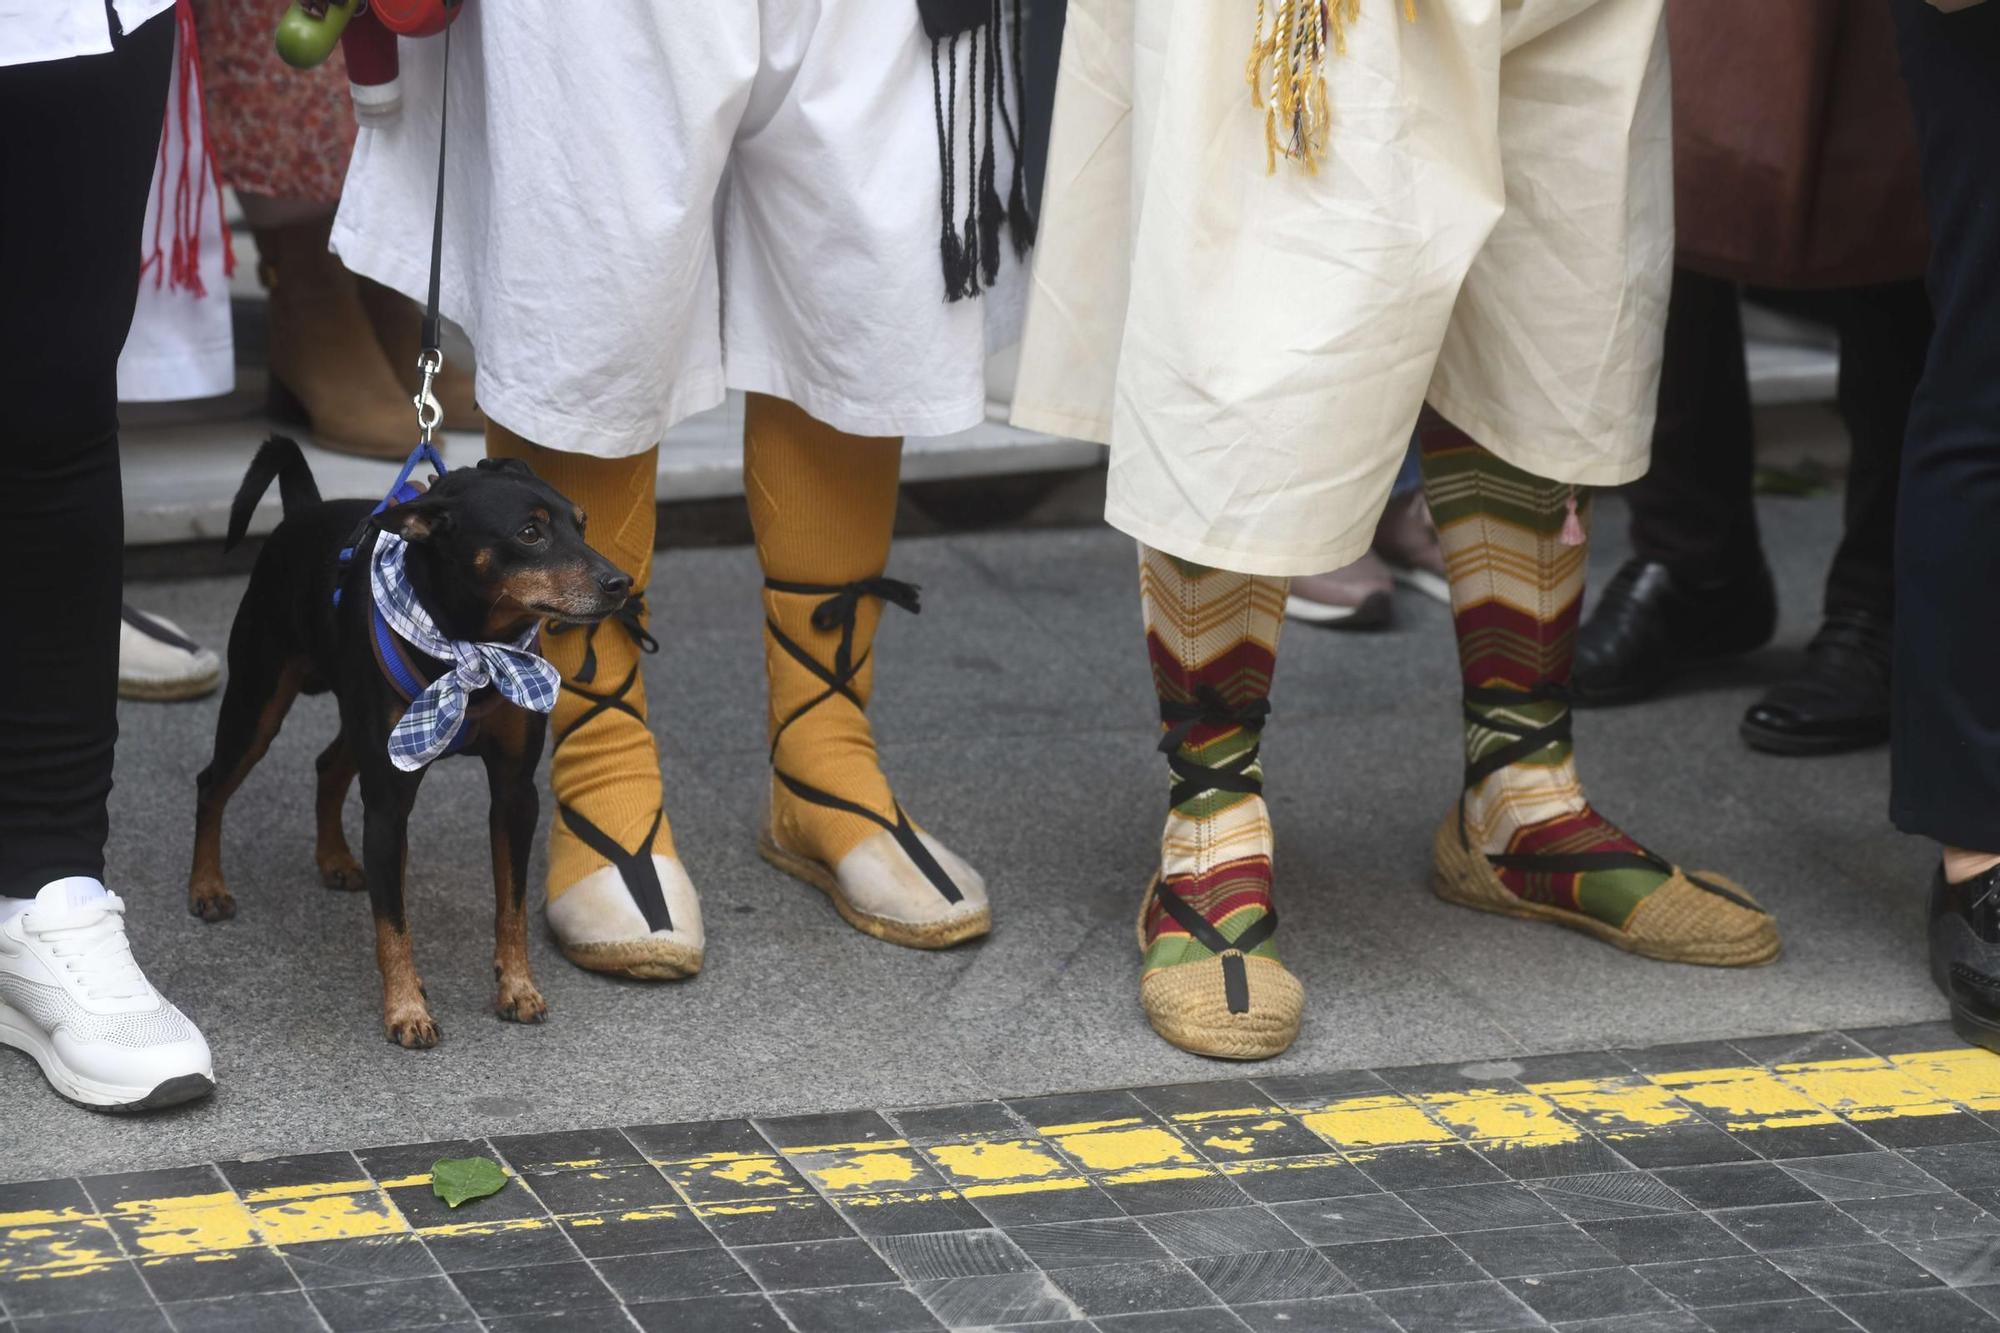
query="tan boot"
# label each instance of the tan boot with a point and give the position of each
(399, 327)
(328, 372)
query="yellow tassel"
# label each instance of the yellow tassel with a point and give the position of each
(1287, 73)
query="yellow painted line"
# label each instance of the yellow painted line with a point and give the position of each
(1087, 1126)
(1025, 1187)
(1147, 1175)
(1375, 1122)
(1969, 1077)
(1268, 1165)
(33, 1217)
(1125, 1149)
(46, 1243)
(288, 1193)
(1502, 1119)
(1235, 1113)
(1007, 1159)
(1616, 1105)
(1744, 1098)
(875, 1145)
(1866, 1089)
(864, 1170)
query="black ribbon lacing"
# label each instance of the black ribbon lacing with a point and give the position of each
(1527, 739)
(642, 878)
(1191, 779)
(839, 610)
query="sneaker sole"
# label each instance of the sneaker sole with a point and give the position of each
(21, 1034)
(170, 691)
(938, 935)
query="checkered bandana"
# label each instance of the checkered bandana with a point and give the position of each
(437, 715)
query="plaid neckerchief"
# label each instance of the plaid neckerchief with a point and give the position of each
(436, 716)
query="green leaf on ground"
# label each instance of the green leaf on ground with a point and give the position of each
(456, 1179)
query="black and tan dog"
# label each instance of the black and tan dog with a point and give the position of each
(492, 551)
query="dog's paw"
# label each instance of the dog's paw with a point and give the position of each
(342, 874)
(211, 902)
(521, 1004)
(412, 1030)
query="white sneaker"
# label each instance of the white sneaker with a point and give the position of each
(72, 996)
(157, 662)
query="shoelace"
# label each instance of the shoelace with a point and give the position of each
(90, 941)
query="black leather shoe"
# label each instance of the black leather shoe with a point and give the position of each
(1839, 701)
(1965, 953)
(1651, 624)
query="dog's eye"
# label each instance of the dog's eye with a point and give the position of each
(531, 535)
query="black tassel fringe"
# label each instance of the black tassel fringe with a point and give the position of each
(969, 251)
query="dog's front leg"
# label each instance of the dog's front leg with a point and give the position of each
(511, 748)
(386, 798)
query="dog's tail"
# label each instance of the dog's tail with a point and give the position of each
(277, 457)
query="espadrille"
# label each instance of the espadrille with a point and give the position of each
(880, 889)
(1693, 918)
(1231, 1006)
(598, 922)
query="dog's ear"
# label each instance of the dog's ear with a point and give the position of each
(416, 520)
(513, 465)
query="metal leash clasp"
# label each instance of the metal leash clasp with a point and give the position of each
(429, 410)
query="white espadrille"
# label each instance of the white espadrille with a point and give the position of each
(599, 924)
(159, 663)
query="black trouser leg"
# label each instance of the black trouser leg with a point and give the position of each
(1884, 333)
(1945, 764)
(1693, 512)
(76, 159)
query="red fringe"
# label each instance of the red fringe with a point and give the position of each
(178, 262)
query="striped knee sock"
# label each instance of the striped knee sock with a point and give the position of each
(1516, 591)
(1213, 639)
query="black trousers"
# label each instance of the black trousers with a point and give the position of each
(1945, 755)
(1695, 512)
(76, 159)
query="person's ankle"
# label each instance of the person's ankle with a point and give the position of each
(1961, 865)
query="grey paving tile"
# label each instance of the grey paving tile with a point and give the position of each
(1960, 1261)
(1536, 1162)
(191, 1277)
(1530, 1251)
(1667, 1321)
(1269, 1275)
(1462, 1307)
(1211, 1320)
(114, 1286)
(675, 1276)
(1912, 1217)
(1403, 1169)
(1418, 1261)
(942, 1255)
(1479, 1207)
(1798, 1316)
(1789, 1141)
(565, 1288)
(814, 1263)
(747, 1313)
(1132, 1288)
(412, 1303)
(1359, 1218)
(1920, 1131)
(1608, 1194)
(1663, 1239)
(1176, 1196)
(1322, 1177)
(1740, 1280)
(357, 1259)
(247, 1312)
(1737, 1185)
(878, 1309)
(1875, 1175)
(1961, 1166)
(1903, 1311)
(1563, 1298)
(152, 1320)
(1792, 1226)
(999, 1298)
(1689, 1144)
(1220, 1231)
(1088, 1244)
(1352, 1313)
(1853, 1270)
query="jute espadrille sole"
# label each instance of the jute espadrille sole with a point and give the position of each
(1188, 1005)
(1677, 923)
(911, 935)
(641, 959)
